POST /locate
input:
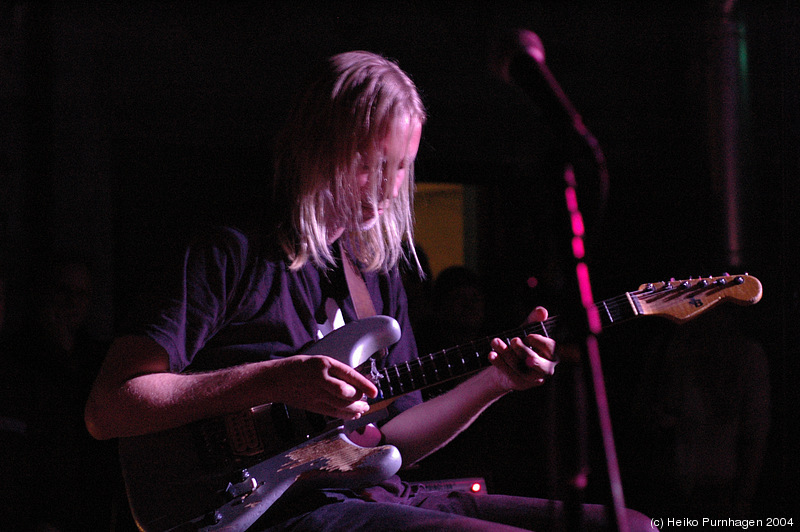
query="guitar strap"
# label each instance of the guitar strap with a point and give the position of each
(362, 301)
(358, 288)
(365, 435)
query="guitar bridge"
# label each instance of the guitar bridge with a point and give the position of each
(246, 485)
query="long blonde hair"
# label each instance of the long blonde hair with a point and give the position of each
(335, 128)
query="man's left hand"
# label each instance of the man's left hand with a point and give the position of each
(524, 362)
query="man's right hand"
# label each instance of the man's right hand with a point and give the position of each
(320, 384)
(135, 393)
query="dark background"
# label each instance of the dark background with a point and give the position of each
(125, 122)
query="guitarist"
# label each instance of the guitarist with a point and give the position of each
(343, 181)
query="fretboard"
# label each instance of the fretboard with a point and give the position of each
(462, 360)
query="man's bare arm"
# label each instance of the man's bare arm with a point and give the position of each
(136, 394)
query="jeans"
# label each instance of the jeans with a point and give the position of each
(410, 507)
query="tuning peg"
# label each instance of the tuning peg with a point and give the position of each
(721, 282)
(702, 283)
(685, 285)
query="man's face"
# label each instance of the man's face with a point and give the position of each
(401, 145)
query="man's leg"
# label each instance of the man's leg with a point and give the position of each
(356, 515)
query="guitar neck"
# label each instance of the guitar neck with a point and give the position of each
(462, 360)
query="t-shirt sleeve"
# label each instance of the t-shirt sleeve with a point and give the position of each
(191, 304)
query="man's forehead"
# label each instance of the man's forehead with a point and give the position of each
(401, 138)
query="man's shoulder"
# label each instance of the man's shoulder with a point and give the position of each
(241, 245)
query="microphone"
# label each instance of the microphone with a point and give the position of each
(522, 63)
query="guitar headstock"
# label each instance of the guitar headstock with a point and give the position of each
(683, 300)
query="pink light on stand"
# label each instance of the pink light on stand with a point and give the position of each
(571, 198)
(577, 223)
(585, 286)
(578, 249)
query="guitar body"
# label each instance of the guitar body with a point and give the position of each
(178, 478)
(177, 489)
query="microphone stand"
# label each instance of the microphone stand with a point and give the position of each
(591, 348)
(530, 75)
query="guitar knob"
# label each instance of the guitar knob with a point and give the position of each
(210, 519)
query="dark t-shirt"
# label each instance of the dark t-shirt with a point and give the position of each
(233, 299)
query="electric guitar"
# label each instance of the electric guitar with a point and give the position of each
(223, 473)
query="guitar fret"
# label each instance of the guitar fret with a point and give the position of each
(388, 379)
(447, 366)
(454, 363)
(384, 380)
(389, 382)
(622, 309)
(410, 375)
(419, 369)
(476, 360)
(435, 369)
(634, 302)
(399, 380)
(465, 359)
(608, 312)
